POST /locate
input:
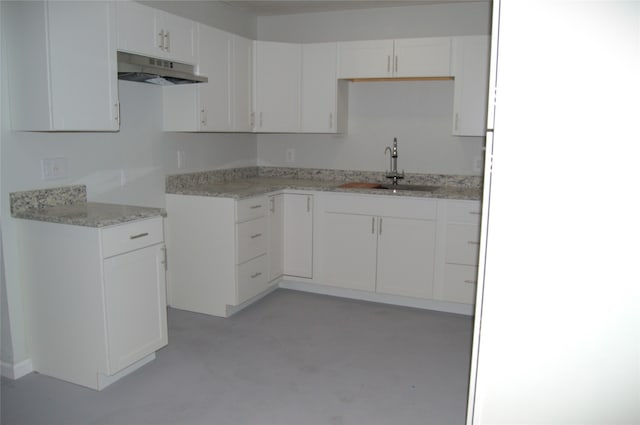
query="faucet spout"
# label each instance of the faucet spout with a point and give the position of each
(393, 162)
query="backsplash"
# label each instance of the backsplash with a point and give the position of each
(181, 181)
(43, 198)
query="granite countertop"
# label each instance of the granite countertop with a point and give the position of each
(68, 205)
(254, 186)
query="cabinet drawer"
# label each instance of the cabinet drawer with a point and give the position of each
(460, 283)
(248, 209)
(463, 212)
(251, 239)
(253, 278)
(384, 206)
(463, 243)
(131, 236)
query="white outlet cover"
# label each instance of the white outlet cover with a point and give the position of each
(54, 168)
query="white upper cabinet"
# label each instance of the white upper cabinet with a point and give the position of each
(470, 63)
(412, 57)
(148, 31)
(241, 83)
(277, 88)
(324, 104)
(62, 66)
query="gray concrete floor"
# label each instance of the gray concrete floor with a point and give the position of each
(291, 358)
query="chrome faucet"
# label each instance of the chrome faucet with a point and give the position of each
(393, 163)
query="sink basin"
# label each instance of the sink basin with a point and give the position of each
(389, 186)
(417, 187)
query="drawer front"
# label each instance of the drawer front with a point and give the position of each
(463, 212)
(460, 284)
(463, 244)
(251, 238)
(248, 209)
(384, 206)
(131, 236)
(253, 278)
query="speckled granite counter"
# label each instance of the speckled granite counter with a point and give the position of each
(68, 205)
(255, 181)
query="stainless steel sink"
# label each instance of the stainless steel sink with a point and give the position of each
(416, 187)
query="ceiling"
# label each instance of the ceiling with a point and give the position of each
(288, 7)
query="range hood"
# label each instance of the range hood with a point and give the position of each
(150, 70)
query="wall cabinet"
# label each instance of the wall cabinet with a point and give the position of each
(62, 65)
(324, 98)
(152, 32)
(411, 57)
(224, 102)
(376, 244)
(107, 314)
(277, 87)
(219, 252)
(470, 65)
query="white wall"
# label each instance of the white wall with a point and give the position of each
(419, 114)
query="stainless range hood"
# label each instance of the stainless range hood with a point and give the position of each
(145, 69)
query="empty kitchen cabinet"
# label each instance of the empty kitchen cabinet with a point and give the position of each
(470, 64)
(277, 87)
(401, 58)
(324, 99)
(152, 32)
(203, 106)
(219, 252)
(461, 222)
(382, 244)
(61, 65)
(98, 306)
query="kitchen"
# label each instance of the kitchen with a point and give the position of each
(119, 168)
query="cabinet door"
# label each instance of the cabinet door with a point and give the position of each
(276, 236)
(277, 87)
(298, 235)
(365, 59)
(242, 84)
(347, 251)
(44, 41)
(406, 256)
(319, 88)
(422, 57)
(179, 37)
(470, 64)
(136, 29)
(215, 96)
(135, 305)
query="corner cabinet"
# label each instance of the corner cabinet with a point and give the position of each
(152, 32)
(62, 65)
(98, 306)
(470, 64)
(381, 244)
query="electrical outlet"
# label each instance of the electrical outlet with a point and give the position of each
(180, 156)
(290, 155)
(54, 168)
(477, 164)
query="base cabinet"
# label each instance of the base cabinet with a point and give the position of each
(98, 305)
(219, 252)
(377, 244)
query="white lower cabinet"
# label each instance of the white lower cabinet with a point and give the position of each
(461, 235)
(98, 306)
(381, 244)
(219, 249)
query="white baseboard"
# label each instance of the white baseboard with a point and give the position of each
(16, 370)
(316, 288)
